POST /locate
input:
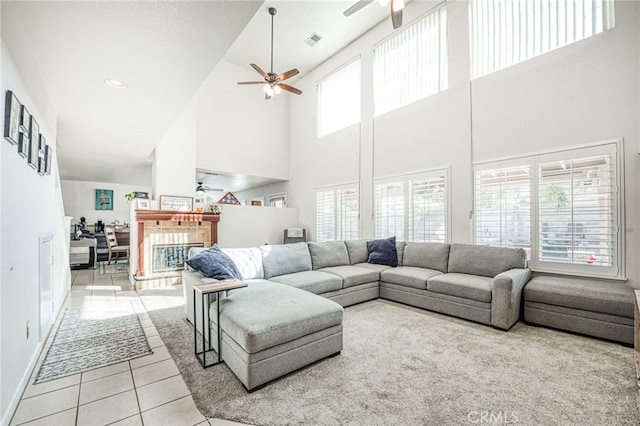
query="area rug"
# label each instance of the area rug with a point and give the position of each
(114, 268)
(88, 339)
(406, 366)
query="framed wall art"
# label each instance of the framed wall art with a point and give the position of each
(34, 143)
(23, 144)
(174, 202)
(25, 119)
(41, 155)
(23, 139)
(12, 118)
(104, 199)
(48, 154)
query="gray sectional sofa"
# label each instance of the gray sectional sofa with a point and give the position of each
(482, 284)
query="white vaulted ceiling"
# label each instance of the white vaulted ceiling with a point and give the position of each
(163, 50)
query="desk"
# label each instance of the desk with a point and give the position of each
(205, 290)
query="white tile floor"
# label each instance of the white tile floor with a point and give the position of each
(143, 391)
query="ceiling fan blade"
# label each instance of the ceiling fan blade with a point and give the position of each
(396, 13)
(251, 82)
(288, 74)
(262, 73)
(290, 88)
(356, 7)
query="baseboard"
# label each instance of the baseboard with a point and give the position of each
(22, 385)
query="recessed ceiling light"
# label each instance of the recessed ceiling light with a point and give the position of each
(116, 84)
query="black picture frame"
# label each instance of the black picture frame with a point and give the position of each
(34, 140)
(12, 111)
(25, 120)
(41, 155)
(23, 138)
(23, 144)
(48, 157)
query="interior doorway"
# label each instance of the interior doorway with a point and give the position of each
(46, 285)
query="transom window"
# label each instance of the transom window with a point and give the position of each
(504, 33)
(412, 64)
(339, 99)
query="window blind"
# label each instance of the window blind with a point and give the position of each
(576, 211)
(337, 214)
(339, 99)
(428, 212)
(412, 64)
(503, 207)
(389, 210)
(506, 32)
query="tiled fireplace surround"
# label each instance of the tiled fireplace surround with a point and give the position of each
(167, 235)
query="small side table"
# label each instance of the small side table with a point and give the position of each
(205, 290)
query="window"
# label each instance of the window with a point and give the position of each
(412, 64)
(412, 207)
(563, 207)
(337, 213)
(504, 33)
(503, 206)
(339, 99)
(278, 200)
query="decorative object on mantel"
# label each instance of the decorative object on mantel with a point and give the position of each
(12, 118)
(143, 204)
(215, 208)
(104, 199)
(229, 198)
(176, 202)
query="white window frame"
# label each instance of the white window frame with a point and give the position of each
(615, 148)
(405, 180)
(405, 87)
(523, 36)
(339, 233)
(347, 95)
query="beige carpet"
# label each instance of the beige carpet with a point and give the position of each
(406, 366)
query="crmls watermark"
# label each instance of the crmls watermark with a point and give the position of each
(493, 417)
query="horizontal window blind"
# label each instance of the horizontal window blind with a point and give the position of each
(390, 210)
(337, 214)
(412, 64)
(576, 211)
(428, 212)
(503, 207)
(506, 32)
(339, 99)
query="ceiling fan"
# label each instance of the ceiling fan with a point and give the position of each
(201, 189)
(273, 83)
(396, 10)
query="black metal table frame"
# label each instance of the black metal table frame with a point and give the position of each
(202, 359)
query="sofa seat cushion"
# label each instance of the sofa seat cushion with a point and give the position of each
(268, 314)
(373, 266)
(409, 276)
(462, 285)
(607, 297)
(316, 282)
(353, 275)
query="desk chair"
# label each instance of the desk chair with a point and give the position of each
(115, 251)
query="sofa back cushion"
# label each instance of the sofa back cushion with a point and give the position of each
(484, 261)
(285, 259)
(357, 250)
(427, 255)
(328, 253)
(248, 261)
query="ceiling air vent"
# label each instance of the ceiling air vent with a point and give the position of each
(313, 39)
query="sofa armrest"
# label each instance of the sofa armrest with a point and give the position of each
(506, 294)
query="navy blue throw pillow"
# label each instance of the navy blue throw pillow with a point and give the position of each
(383, 251)
(214, 263)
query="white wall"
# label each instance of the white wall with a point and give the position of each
(31, 208)
(80, 200)
(250, 226)
(582, 93)
(238, 131)
(261, 192)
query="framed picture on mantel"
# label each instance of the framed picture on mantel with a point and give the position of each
(175, 202)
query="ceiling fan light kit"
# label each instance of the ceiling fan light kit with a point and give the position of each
(272, 84)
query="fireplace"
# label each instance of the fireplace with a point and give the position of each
(164, 240)
(170, 257)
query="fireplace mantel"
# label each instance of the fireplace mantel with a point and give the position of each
(155, 219)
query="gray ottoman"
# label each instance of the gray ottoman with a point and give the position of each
(593, 307)
(271, 329)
